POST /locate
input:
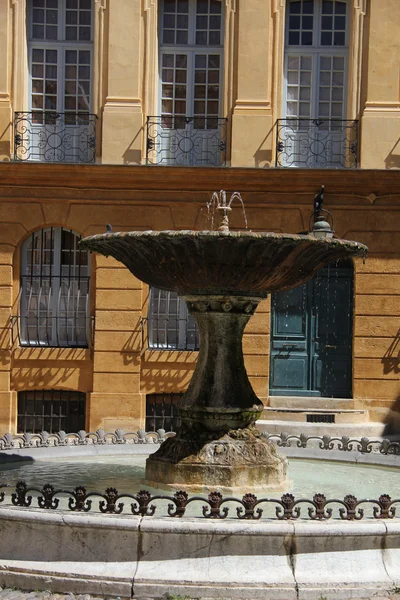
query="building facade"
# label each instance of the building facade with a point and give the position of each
(132, 113)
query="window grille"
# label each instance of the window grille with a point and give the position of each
(51, 411)
(54, 298)
(162, 411)
(320, 418)
(170, 324)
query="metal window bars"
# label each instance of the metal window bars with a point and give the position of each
(170, 326)
(54, 307)
(316, 143)
(189, 141)
(50, 136)
(162, 411)
(51, 411)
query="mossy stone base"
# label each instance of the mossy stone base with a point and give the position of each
(239, 461)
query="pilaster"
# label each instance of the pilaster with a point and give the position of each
(252, 119)
(123, 111)
(381, 115)
(5, 79)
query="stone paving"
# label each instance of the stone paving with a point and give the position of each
(13, 594)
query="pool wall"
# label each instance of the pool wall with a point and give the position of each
(149, 557)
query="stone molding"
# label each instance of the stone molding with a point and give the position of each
(44, 439)
(147, 558)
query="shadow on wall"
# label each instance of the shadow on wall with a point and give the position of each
(5, 144)
(263, 156)
(391, 358)
(34, 378)
(131, 155)
(392, 161)
(391, 364)
(163, 379)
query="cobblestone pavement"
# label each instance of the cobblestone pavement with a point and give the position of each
(13, 594)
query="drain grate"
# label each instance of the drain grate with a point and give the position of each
(323, 418)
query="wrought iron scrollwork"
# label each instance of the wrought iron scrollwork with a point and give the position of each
(48, 500)
(79, 501)
(287, 508)
(50, 136)
(108, 505)
(182, 140)
(178, 507)
(19, 497)
(144, 504)
(311, 143)
(142, 508)
(247, 511)
(213, 510)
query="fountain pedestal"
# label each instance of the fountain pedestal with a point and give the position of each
(218, 445)
(223, 276)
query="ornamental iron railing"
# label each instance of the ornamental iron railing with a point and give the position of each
(49, 136)
(188, 141)
(144, 504)
(44, 439)
(316, 143)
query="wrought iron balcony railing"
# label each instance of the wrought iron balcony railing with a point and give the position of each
(181, 140)
(49, 136)
(316, 143)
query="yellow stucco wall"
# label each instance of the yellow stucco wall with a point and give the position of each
(119, 370)
(125, 77)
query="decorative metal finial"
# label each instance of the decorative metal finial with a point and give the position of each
(318, 202)
(321, 228)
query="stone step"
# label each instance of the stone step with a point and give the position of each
(359, 430)
(310, 402)
(316, 414)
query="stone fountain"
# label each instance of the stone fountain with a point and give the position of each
(223, 276)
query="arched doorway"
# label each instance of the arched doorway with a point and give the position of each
(311, 336)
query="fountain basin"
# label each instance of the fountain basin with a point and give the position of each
(222, 276)
(151, 556)
(225, 263)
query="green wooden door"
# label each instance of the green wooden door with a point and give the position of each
(311, 336)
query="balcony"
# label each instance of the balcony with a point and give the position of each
(186, 141)
(55, 137)
(316, 143)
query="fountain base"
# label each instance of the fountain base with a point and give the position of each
(237, 460)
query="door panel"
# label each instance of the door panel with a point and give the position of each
(311, 337)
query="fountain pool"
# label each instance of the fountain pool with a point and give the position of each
(127, 473)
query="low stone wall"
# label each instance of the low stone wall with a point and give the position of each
(142, 556)
(150, 557)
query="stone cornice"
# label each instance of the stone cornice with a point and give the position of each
(112, 183)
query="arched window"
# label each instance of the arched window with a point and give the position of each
(54, 297)
(311, 336)
(170, 324)
(58, 126)
(190, 129)
(314, 104)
